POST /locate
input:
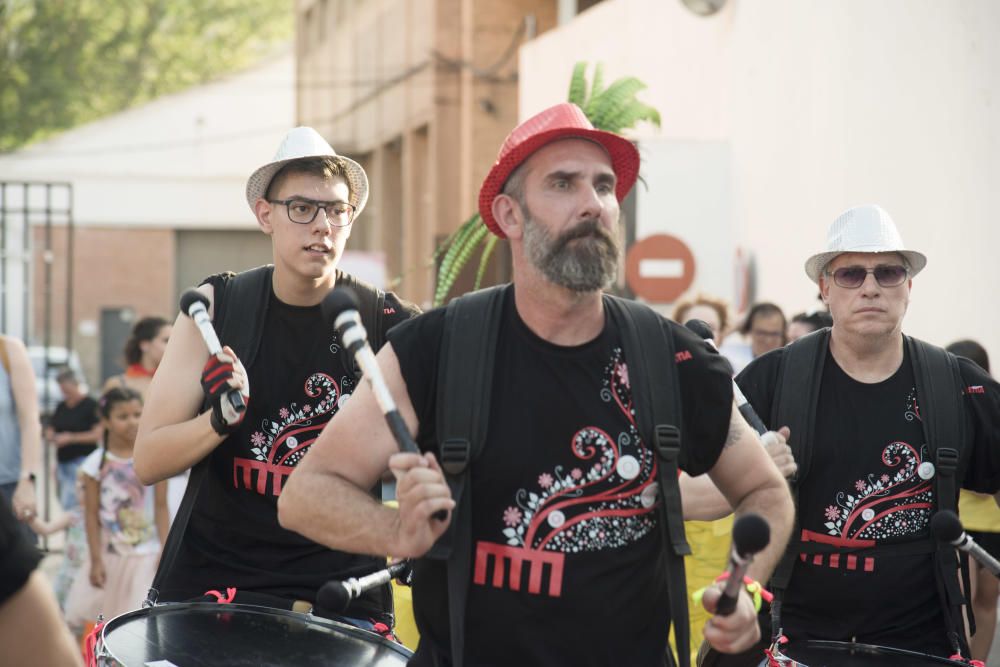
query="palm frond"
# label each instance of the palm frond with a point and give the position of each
(613, 101)
(469, 236)
(484, 259)
(578, 85)
(637, 111)
(596, 89)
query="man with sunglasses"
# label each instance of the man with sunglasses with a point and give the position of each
(862, 565)
(307, 199)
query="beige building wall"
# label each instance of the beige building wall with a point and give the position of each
(113, 267)
(422, 93)
(823, 105)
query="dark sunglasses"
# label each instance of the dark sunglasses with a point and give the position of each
(853, 277)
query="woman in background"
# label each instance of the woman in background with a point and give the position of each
(143, 352)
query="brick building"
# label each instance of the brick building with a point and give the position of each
(421, 93)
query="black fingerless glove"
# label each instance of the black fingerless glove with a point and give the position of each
(215, 377)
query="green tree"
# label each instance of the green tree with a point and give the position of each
(69, 62)
(614, 109)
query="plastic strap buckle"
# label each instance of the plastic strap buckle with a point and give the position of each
(455, 455)
(668, 441)
(947, 459)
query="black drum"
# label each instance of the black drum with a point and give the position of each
(209, 634)
(816, 653)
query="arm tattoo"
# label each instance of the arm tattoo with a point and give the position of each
(735, 426)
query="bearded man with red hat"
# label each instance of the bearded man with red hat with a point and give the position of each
(565, 488)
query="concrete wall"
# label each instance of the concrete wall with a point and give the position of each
(420, 92)
(180, 161)
(824, 105)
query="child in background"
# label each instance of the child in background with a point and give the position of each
(125, 521)
(74, 547)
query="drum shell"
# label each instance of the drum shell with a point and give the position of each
(817, 653)
(207, 633)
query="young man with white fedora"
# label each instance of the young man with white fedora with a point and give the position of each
(885, 429)
(565, 500)
(307, 199)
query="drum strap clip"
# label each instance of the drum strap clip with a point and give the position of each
(220, 598)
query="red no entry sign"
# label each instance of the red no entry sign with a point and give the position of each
(659, 268)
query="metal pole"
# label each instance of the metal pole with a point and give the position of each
(47, 338)
(70, 238)
(25, 268)
(3, 258)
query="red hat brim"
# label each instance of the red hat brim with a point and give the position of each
(623, 153)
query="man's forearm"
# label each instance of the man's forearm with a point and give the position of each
(701, 499)
(774, 503)
(170, 450)
(348, 519)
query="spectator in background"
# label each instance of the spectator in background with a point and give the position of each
(143, 351)
(126, 521)
(711, 310)
(981, 518)
(804, 323)
(74, 431)
(763, 330)
(74, 550)
(20, 432)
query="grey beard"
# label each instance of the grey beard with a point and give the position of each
(581, 266)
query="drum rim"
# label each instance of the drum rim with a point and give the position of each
(873, 649)
(214, 607)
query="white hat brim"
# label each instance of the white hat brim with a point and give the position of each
(814, 265)
(357, 181)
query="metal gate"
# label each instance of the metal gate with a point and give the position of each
(27, 209)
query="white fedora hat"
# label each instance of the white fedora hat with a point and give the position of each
(865, 228)
(304, 142)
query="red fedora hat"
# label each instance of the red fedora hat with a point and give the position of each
(563, 121)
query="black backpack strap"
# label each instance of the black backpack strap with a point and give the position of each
(464, 385)
(177, 529)
(239, 310)
(942, 413)
(656, 395)
(371, 306)
(796, 399)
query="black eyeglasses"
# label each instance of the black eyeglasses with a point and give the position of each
(303, 211)
(852, 277)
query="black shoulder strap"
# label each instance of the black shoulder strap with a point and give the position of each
(464, 383)
(939, 384)
(942, 414)
(247, 295)
(656, 395)
(796, 399)
(241, 310)
(801, 367)
(371, 302)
